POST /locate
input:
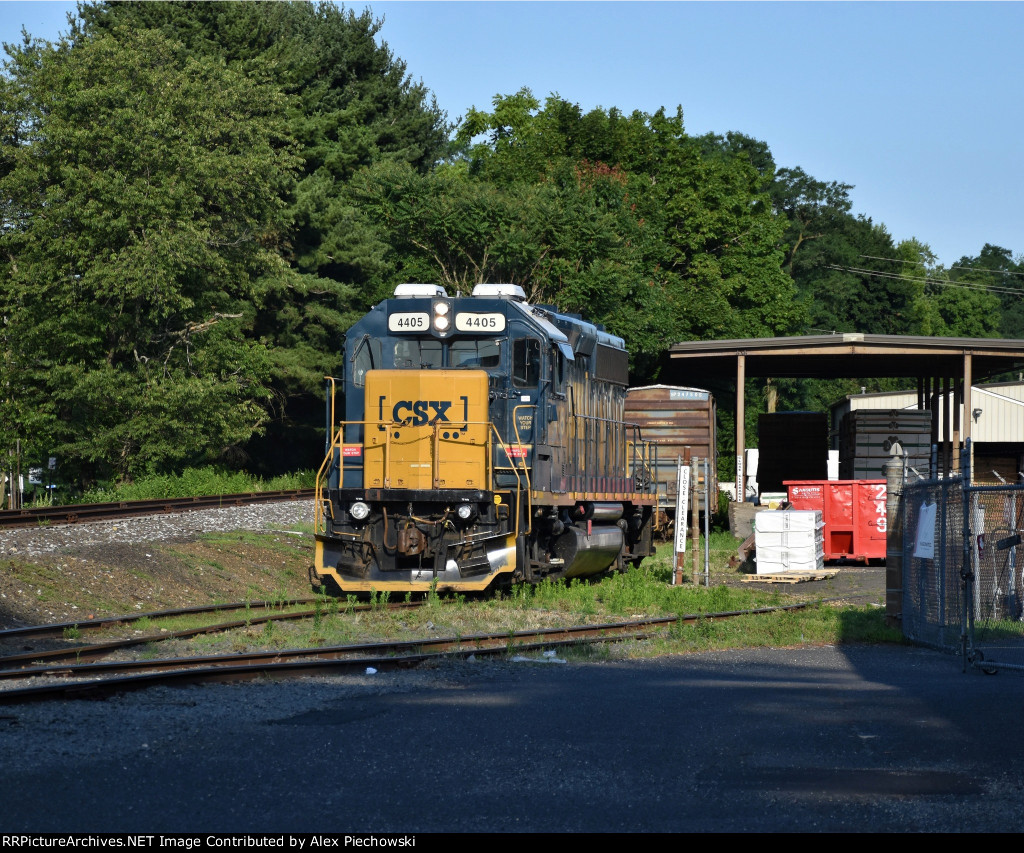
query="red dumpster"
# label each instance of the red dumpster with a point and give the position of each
(853, 512)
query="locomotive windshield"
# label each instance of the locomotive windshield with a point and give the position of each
(421, 354)
(411, 352)
(472, 352)
(367, 357)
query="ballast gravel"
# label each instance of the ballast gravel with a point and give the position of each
(168, 527)
(92, 569)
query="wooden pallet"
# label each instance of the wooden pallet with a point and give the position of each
(790, 577)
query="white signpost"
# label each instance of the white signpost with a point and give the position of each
(682, 507)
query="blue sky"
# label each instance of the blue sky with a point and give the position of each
(916, 104)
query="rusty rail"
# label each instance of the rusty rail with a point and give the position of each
(257, 615)
(292, 663)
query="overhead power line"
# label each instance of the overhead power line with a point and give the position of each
(942, 282)
(970, 269)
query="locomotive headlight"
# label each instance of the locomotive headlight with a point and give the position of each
(441, 320)
(359, 511)
(465, 511)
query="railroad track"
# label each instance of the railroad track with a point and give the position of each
(59, 629)
(76, 513)
(102, 679)
(83, 653)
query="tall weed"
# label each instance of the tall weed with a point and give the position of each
(196, 482)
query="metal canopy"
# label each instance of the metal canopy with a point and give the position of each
(944, 370)
(840, 356)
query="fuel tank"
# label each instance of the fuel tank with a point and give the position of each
(587, 554)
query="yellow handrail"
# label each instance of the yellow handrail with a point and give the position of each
(526, 471)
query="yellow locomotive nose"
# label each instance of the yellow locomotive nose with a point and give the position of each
(426, 429)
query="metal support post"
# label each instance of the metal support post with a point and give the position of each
(893, 470)
(966, 569)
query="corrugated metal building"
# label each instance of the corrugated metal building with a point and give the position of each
(997, 423)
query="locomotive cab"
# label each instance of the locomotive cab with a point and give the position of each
(471, 441)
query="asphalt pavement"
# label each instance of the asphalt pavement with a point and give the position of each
(832, 739)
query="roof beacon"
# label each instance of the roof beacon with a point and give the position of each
(408, 290)
(505, 291)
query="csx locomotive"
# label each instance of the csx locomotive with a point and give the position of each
(482, 442)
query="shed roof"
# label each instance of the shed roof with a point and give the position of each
(843, 355)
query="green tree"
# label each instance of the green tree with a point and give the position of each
(720, 237)
(352, 104)
(684, 229)
(813, 208)
(846, 270)
(569, 240)
(142, 214)
(992, 274)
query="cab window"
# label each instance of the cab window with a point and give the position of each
(526, 362)
(367, 357)
(557, 370)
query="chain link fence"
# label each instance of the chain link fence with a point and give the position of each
(963, 569)
(932, 547)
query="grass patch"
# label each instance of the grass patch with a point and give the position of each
(638, 593)
(196, 482)
(813, 626)
(295, 547)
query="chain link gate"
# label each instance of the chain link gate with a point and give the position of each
(963, 569)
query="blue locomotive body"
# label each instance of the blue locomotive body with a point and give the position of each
(482, 438)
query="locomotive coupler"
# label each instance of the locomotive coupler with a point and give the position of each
(411, 541)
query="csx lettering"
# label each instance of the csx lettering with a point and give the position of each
(415, 412)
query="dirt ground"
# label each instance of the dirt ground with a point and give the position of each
(850, 584)
(104, 580)
(93, 581)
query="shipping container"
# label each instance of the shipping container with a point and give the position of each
(853, 512)
(791, 446)
(680, 422)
